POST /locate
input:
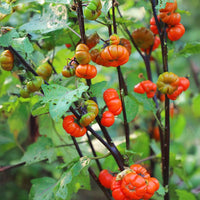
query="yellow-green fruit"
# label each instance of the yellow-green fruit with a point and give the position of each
(24, 93)
(45, 71)
(7, 60)
(167, 82)
(35, 85)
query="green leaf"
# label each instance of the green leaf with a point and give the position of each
(106, 5)
(61, 98)
(53, 18)
(190, 49)
(155, 147)
(17, 121)
(96, 90)
(5, 8)
(74, 179)
(7, 39)
(39, 108)
(161, 190)
(40, 150)
(42, 189)
(140, 145)
(185, 195)
(177, 126)
(131, 106)
(23, 45)
(147, 103)
(183, 176)
(195, 106)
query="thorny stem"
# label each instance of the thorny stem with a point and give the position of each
(81, 21)
(113, 16)
(110, 143)
(22, 60)
(109, 26)
(126, 125)
(90, 170)
(122, 86)
(166, 147)
(165, 138)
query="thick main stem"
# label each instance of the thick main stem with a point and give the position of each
(165, 138)
(167, 148)
(126, 125)
(81, 21)
(122, 86)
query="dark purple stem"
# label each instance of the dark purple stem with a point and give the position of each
(81, 21)
(112, 149)
(93, 151)
(165, 138)
(122, 86)
(22, 60)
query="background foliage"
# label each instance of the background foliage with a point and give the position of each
(54, 171)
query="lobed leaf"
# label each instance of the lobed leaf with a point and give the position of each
(131, 106)
(53, 18)
(190, 49)
(185, 195)
(42, 188)
(60, 98)
(7, 39)
(73, 179)
(40, 150)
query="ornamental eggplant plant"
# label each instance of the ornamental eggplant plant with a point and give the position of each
(86, 92)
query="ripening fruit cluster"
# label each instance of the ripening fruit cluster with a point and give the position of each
(71, 126)
(76, 127)
(79, 64)
(133, 183)
(44, 72)
(167, 83)
(168, 16)
(114, 105)
(113, 55)
(172, 85)
(147, 87)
